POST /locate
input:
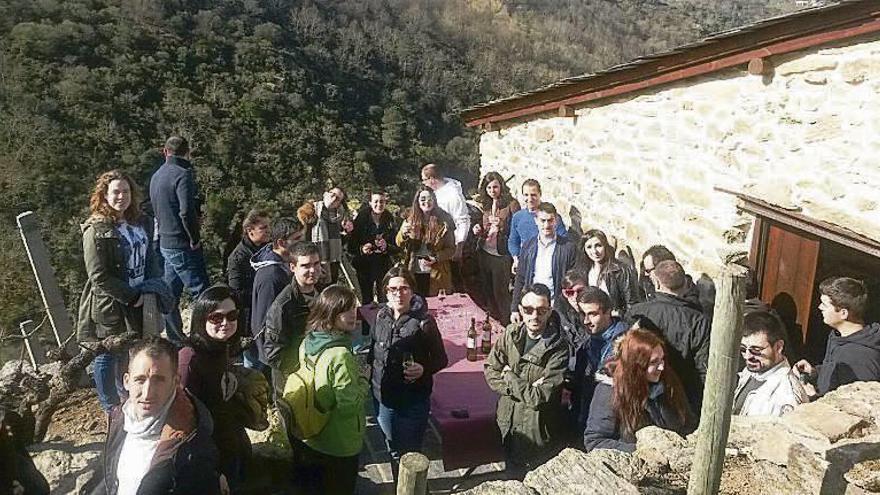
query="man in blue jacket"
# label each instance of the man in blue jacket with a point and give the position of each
(544, 259)
(522, 224)
(272, 273)
(174, 198)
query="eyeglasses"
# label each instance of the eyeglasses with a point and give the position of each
(753, 350)
(217, 317)
(399, 290)
(573, 291)
(529, 310)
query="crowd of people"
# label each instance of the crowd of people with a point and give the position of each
(595, 347)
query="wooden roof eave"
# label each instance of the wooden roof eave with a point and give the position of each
(858, 19)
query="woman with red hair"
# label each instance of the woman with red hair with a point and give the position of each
(638, 391)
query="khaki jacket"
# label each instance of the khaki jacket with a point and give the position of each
(530, 414)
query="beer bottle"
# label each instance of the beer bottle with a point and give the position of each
(472, 341)
(486, 344)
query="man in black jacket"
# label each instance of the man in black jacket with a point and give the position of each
(287, 316)
(240, 273)
(159, 441)
(543, 260)
(682, 324)
(271, 276)
(175, 203)
(853, 350)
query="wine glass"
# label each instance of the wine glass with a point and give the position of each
(441, 294)
(408, 360)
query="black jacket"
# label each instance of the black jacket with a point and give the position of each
(621, 284)
(686, 330)
(174, 198)
(416, 333)
(271, 276)
(564, 259)
(185, 461)
(850, 359)
(571, 323)
(602, 430)
(285, 325)
(365, 231)
(239, 272)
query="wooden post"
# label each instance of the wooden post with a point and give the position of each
(153, 320)
(413, 476)
(714, 427)
(46, 281)
(32, 344)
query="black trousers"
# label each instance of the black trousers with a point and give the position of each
(322, 474)
(370, 272)
(495, 278)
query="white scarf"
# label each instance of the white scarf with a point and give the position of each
(147, 427)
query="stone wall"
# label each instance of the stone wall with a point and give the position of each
(644, 167)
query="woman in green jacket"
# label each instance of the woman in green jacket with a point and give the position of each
(120, 258)
(332, 454)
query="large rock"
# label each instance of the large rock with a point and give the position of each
(573, 472)
(663, 450)
(628, 466)
(509, 487)
(67, 468)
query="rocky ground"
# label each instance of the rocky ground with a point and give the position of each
(831, 446)
(70, 456)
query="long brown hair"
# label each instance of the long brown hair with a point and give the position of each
(98, 206)
(609, 250)
(427, 227)
(332, 302)
(630, 388)
(485, 200)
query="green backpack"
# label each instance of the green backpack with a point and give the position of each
(307, 419)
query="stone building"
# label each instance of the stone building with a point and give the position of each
(761, 141)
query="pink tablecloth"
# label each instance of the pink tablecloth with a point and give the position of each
(471, 441)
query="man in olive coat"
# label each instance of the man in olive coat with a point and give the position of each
(526, 369)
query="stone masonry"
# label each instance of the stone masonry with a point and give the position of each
(806, 135)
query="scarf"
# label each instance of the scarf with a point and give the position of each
(150, 426)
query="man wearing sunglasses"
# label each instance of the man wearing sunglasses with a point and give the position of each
(766, 385)
(526, 368)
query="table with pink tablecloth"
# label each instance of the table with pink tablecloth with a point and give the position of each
(466, 441)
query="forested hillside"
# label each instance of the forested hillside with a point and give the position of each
(279, 97)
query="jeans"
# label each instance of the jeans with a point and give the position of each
(403, 427)
(183, 267)
(108, 380)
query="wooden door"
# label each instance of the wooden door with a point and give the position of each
(789, 273)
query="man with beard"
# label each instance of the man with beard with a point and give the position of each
(602, 330)
(766, 385)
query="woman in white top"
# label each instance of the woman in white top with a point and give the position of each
(617, 279)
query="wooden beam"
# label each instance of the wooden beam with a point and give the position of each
(758, 66)
(153, 320)
(712, 434)
(413, 477)
(46, 281)
(32, 344)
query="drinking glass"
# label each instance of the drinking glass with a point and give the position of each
(441, 294)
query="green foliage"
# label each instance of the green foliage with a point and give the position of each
(279, 98)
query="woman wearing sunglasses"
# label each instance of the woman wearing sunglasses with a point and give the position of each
(407, 351)
(605, 272)
(638, 390)
(206, 371)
